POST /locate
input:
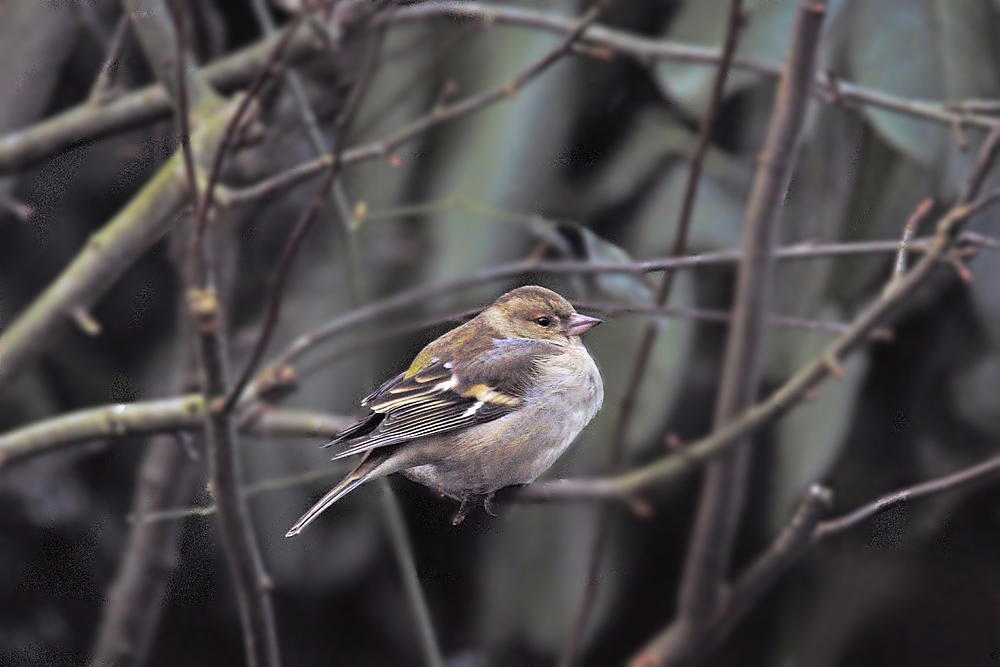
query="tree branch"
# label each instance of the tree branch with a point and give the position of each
(110, 251)
(88, 122)
(678, 248)
(169, 415)
(246, 566)
(786, 550)
(955, 480)
(722, 493)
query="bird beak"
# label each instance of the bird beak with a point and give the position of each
(579, 324)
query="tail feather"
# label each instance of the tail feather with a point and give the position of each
(358, 430)
(367, 469)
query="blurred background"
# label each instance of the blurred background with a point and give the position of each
(587, 162)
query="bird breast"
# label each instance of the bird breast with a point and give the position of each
(517, 448)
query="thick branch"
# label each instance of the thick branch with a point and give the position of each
(721, 499)
(108, 252)
(87, 122)
(641, 361)
(169, 415)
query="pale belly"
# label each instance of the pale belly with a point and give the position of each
(517, 448)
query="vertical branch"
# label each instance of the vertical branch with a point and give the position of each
(332, 190)
(135, 600)
(246, 566)
(678, 248)
(722, 493)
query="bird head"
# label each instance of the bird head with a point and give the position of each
(537, 313)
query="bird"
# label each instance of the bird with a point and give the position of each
(492, 403)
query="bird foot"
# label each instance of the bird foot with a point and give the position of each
(489, 505)
(463, 511)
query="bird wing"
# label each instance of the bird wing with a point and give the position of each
(448, 395)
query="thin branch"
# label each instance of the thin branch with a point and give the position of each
(722, 492)
(249, 491)
(437, 116)
(87, 122)
(641, 363)
(648, 50)
(251, 582)
(199, 256)
(109, 252)
(420, 295)
(964, 477)
(786, 550)
(918, 216)
(720, 317)
(102, 84)
(298, 234)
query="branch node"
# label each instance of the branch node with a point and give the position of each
(85, 321)
(275, 383)
(641, 508)
(206, 314)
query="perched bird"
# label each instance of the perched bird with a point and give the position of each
(490, 404)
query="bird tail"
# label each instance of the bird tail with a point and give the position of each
(367, 469)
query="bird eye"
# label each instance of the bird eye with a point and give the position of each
(543, 321)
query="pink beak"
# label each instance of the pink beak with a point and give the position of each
(579, 324)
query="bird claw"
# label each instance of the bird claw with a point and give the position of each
(466, 507)
(463, 511)
(489, 505)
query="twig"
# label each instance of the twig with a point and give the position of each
(249, 491)
(641, 362)
(436, 116)
(288, 253)
(647, 50)
(84, 123)
(100, 90)
(108, 252)
(422, 294)
(721, 317)
(918, 216)
(955, 480)
(202, 205)
(411, 582)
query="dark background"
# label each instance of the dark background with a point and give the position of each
(599, 141)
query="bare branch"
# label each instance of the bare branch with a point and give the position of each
(168, 415)
(87, 122)
(677, 249)
(721, 499)
(965, 477)
(949, 228)
(246, 566)
(786, 550)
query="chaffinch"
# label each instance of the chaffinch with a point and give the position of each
(490, 404)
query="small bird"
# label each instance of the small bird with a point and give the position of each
(490, 404)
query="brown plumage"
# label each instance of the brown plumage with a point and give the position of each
(490, 404)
